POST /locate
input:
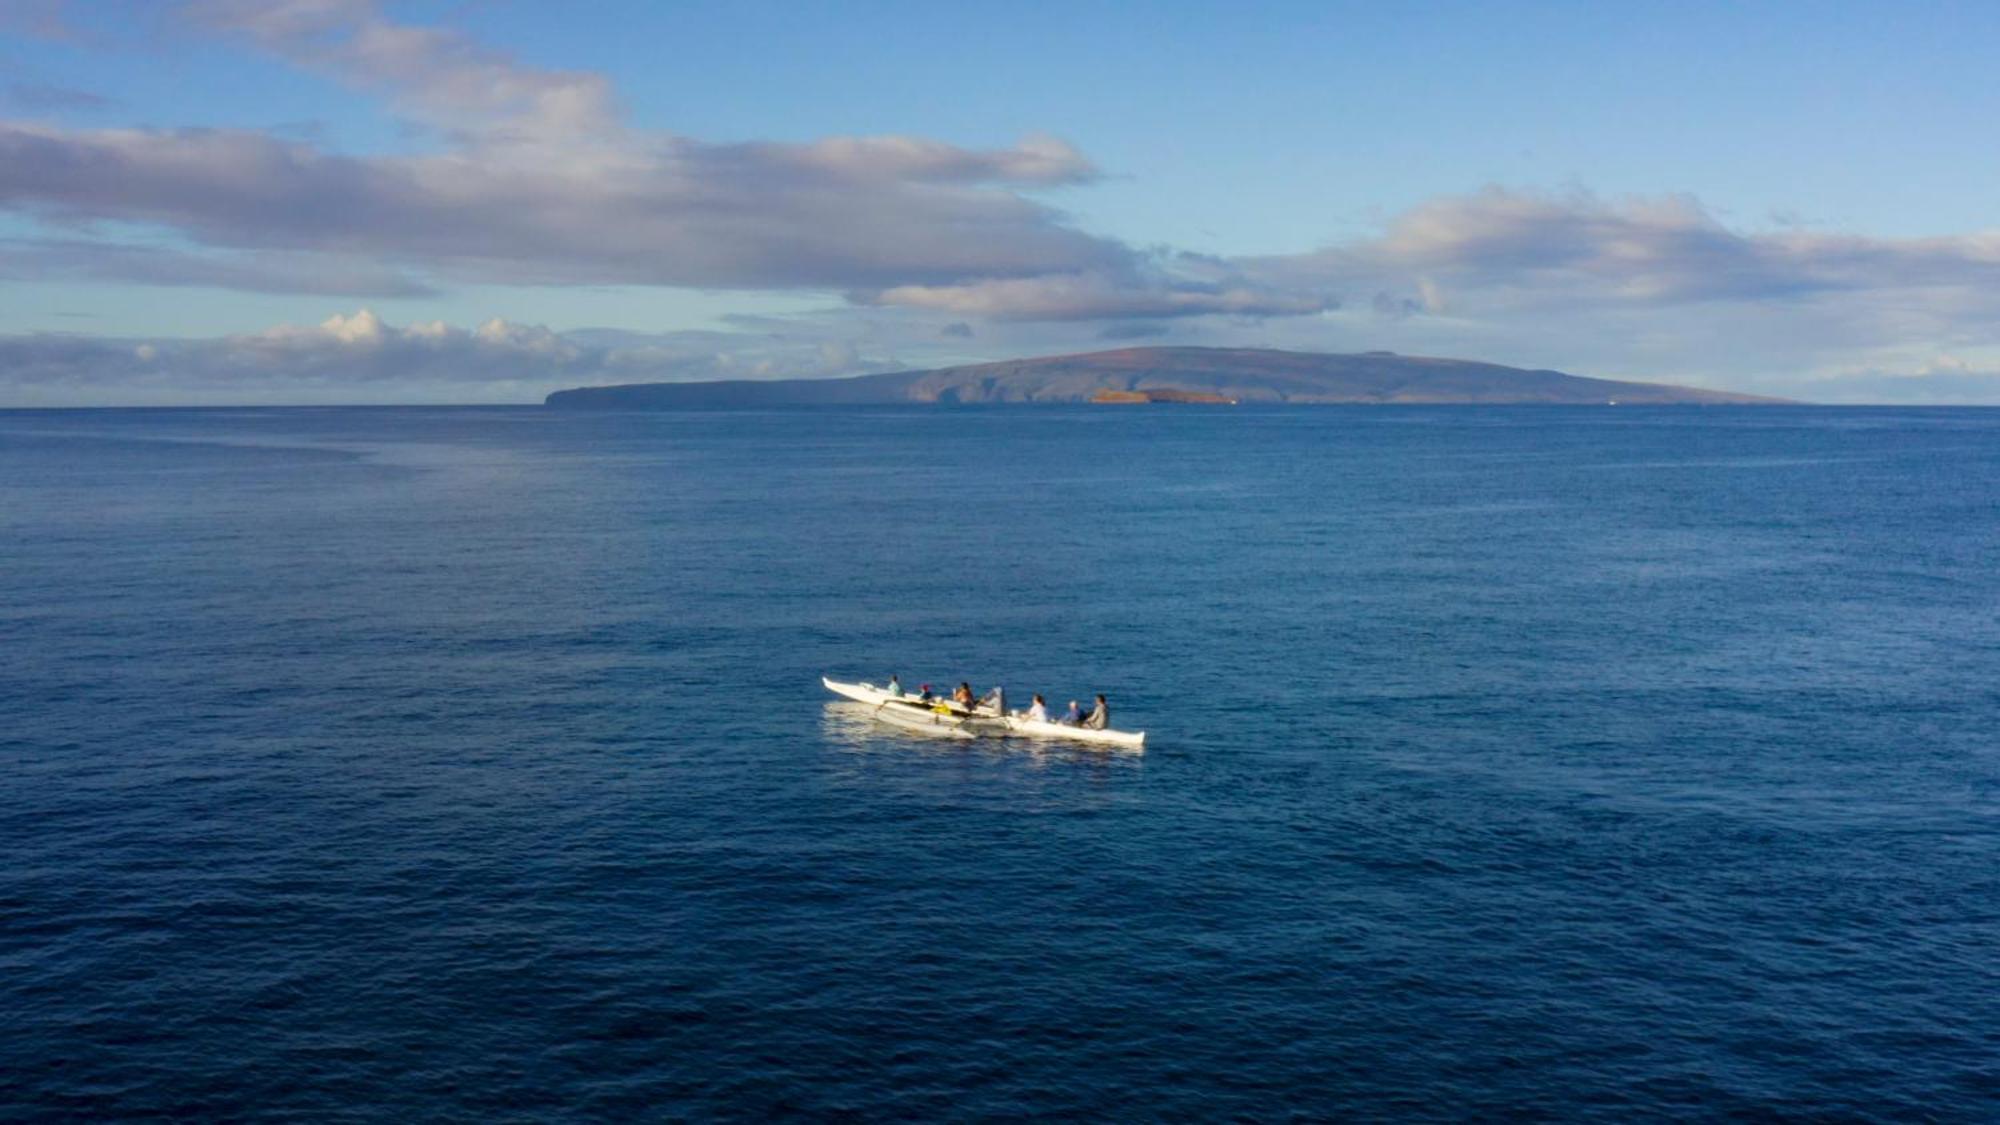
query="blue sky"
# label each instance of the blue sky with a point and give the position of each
(337, 200)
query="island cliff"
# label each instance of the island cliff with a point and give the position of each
(1250, 375)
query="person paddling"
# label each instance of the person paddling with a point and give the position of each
(895, 688)
(1100, 715)
(1038, 711)
(962, 695)
(1074, 716)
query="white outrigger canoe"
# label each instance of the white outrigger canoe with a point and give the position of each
(940, 717)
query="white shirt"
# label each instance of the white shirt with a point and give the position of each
(1038, 713)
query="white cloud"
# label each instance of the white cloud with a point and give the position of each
(436, 74)
(1092, 296)
(360, 357)
(677, 212)
(1926, 388)
(364, 328)
(1506, 249)
(537, 180)
(264, 271)
(1653, 289)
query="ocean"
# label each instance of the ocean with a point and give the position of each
(473, 764)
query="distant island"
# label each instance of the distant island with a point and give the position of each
(1204, 375)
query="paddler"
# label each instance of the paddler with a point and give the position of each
(1100, 715)
(1038, 711)
(962, 695)
(895, 688)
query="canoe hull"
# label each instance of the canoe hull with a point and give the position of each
(1028, 728)
(890, 709)
(923, 722)
(860, 693)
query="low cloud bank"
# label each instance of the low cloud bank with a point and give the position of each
(1512, 249)
(1096, 297)
(359, 357)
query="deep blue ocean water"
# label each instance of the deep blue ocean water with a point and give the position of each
(472, 764)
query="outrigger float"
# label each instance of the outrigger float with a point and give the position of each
(948, 720)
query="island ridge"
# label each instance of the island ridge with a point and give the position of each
(1248, 375)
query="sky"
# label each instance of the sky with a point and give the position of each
(363, 201)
